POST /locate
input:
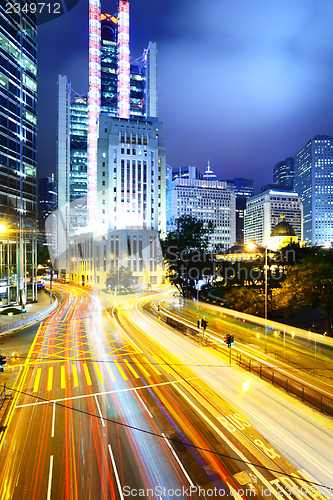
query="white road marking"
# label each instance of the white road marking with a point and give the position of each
(179, 462)
(116, 473)
(50, 479)
(143, 404)
(99, 411)
(106, 392)
(53, 420)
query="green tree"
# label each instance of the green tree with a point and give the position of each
(119, 276)
(309, 283)
(185, 251)
(246, 299)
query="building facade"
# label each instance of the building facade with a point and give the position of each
(18, 109)
(46, 204)
(207, 201)
(314, 184)
(243, 189)
(131, 174)
(283, 173)
(264, 211)
(75, 182)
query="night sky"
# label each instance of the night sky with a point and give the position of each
(242, 83)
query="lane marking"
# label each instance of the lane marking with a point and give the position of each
(37, 380)
(50, 479)
(108, 367)
(121, 371)
(75, 377)
(178, 461)
(98, 371)
(143, 403)
(104, 393)
(137, 362)
(152, 366)
(63, 377)
(231, 445)
(86, 372)
(130, 367)
(50, 379)
(99, 411)
(116, 473)
(53, 420)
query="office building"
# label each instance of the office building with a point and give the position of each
(243, 189)
(131, 205)
(264, 211)
(207, 201)
(18, 109)
(283, 174)
(46, 204)
(119, 87)
(185, 172)
(314, 184)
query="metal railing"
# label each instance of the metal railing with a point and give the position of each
(3, 395)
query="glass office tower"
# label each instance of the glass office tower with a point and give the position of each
(314, 184)
(18, 101)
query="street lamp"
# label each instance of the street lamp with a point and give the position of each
(51, 275)
(252, 246)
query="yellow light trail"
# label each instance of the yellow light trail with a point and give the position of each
(37, 379)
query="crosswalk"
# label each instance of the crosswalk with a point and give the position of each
(77, 374)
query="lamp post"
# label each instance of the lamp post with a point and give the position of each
(51, 275)
(252, 246)
(266, 293)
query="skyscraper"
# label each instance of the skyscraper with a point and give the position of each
(283, 173)
(243, 189)
(126, 167)
(314, 184)
(110, 53)
(18, 103)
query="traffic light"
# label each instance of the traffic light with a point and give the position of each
(229, 340)
(203, 324)
(198, 323)
(2, 362)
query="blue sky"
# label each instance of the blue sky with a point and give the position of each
(242, 83)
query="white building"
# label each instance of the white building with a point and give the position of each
(131, 174)
(207, 201)
(264, 210)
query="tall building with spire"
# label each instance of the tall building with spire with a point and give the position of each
(125, 139)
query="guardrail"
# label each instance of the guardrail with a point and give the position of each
(29, 319)
(3, 395)
(292, 385)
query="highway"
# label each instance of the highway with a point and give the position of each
(114, 404)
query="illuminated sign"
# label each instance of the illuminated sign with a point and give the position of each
(94, 101)
(108, 17)
(123, 60)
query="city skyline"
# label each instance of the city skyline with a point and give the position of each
(252, 73)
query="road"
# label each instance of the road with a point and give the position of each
(112, 405)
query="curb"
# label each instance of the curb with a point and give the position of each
(30, 319)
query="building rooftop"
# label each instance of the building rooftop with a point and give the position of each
(283, 229)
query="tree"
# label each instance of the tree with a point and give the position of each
(119, 276)
(309, 283)
(185, 251)
(246, 299)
